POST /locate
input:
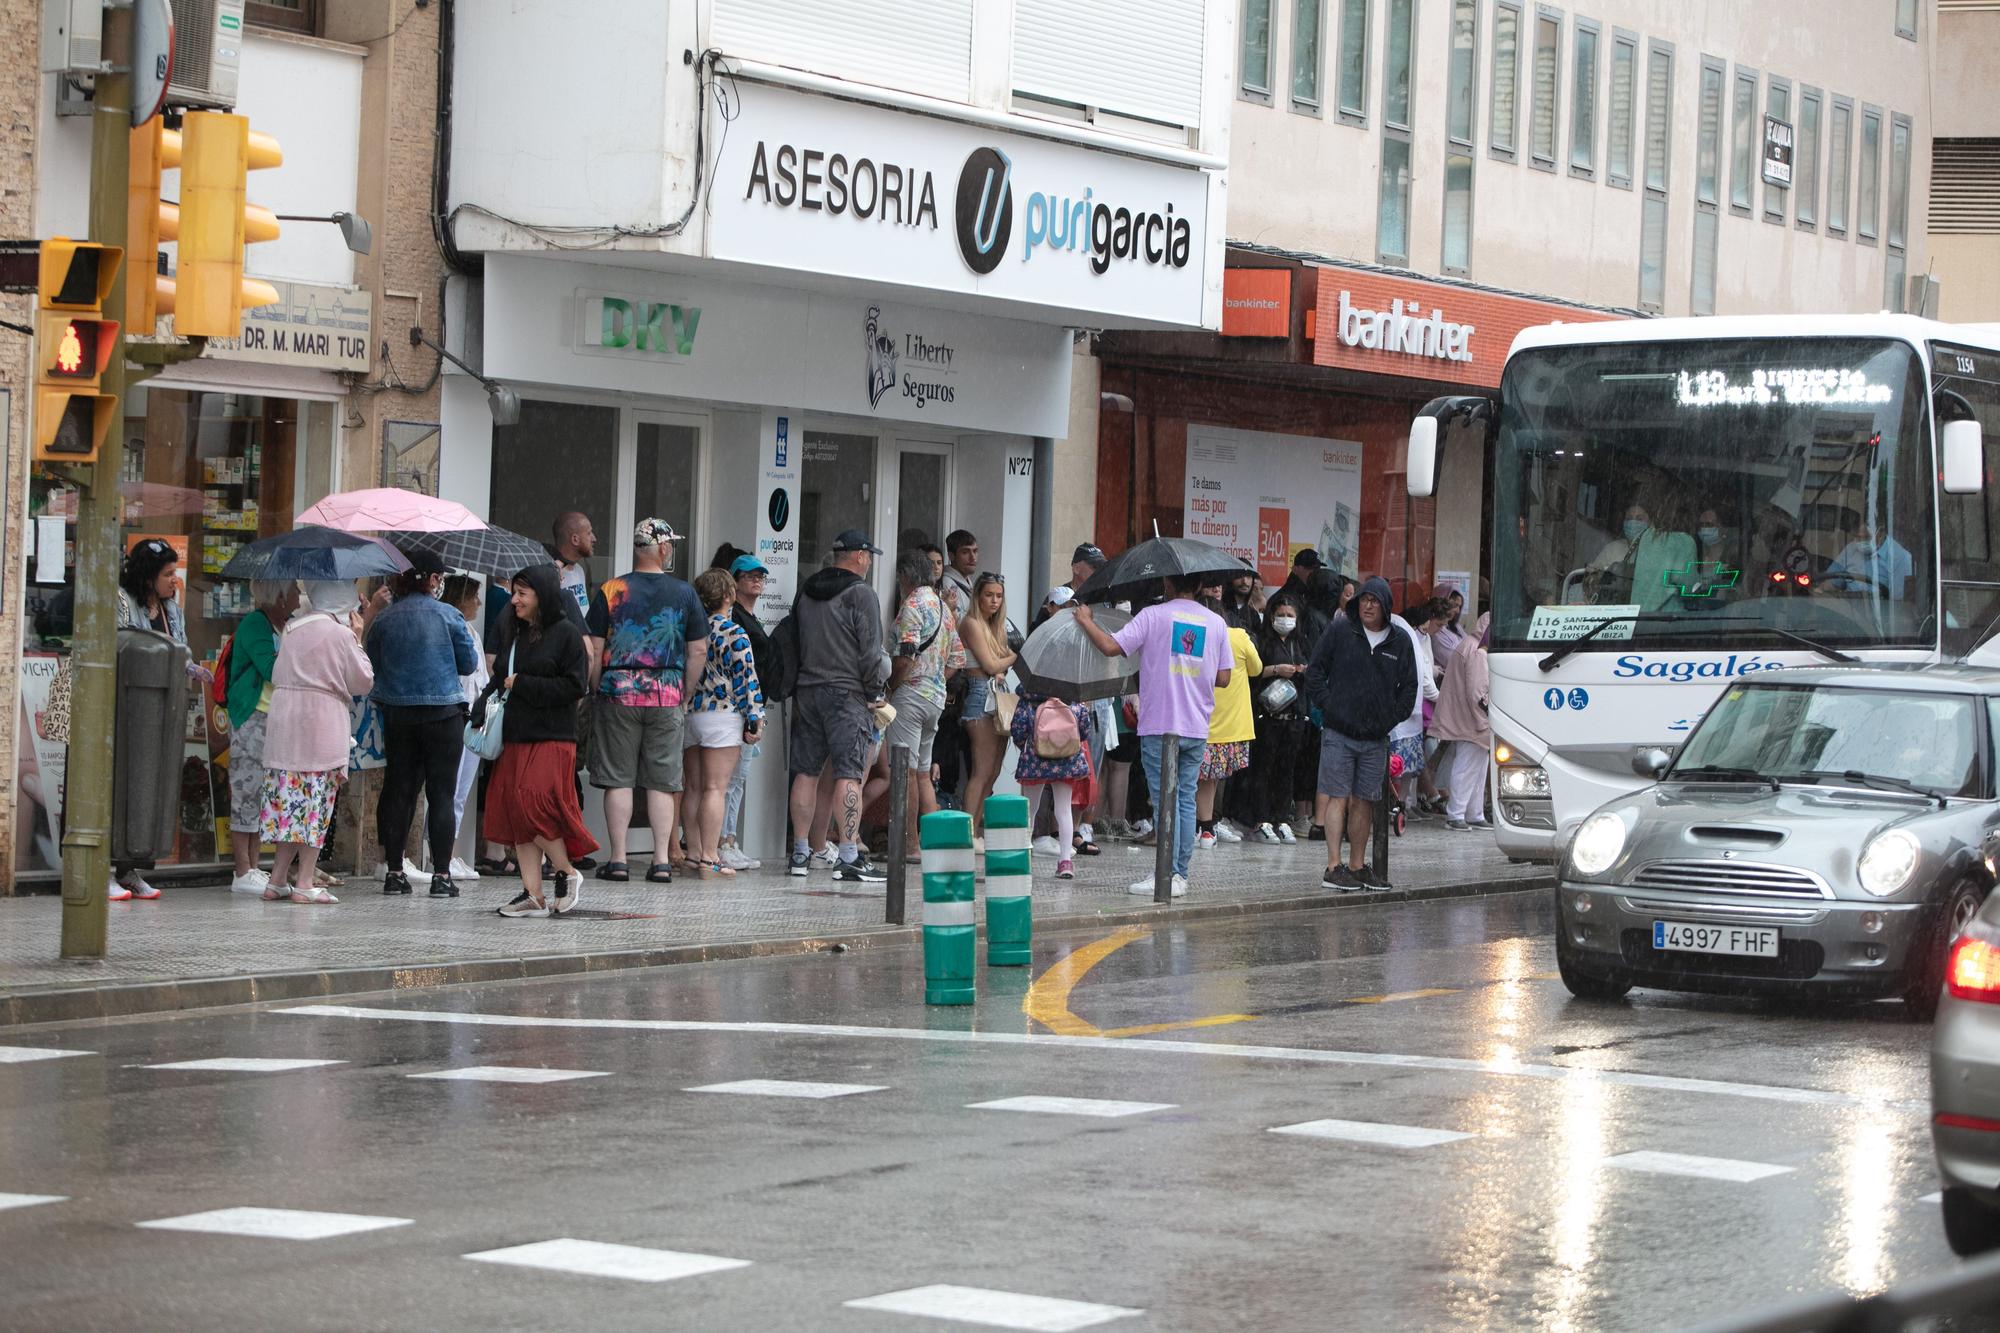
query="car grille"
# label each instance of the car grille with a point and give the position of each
(1746, 877)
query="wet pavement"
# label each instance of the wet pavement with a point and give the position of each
(1459, 1145)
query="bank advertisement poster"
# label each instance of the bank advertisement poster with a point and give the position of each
(1267, 497)
(43, 759)
(777, 518)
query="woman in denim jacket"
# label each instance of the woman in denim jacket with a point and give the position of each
(419, 647)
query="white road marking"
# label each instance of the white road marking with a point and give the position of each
(1091, 1106)
(596, 1258)
(1141, 1046)
(1932, 1198)
(17, 1055)
(235, 1065)
(28, 1200)
(276, 1223)
(996, 1309)
(778, 1087)
(511, 1074)
(1702, 1168)
(1365, 1131)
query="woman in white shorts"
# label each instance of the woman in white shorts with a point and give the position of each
(725, 712)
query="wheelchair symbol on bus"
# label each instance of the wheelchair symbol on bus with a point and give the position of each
(1555, 700)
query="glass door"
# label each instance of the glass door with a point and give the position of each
(923, 495)
(666, 467)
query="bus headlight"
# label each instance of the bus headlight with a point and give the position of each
(1597, 844)
(1888, 862)
(1524, 781)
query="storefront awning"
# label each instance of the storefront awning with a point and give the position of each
(208, 375)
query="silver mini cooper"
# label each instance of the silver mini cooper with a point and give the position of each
(1826, 831)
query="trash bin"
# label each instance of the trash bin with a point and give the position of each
(150, 737)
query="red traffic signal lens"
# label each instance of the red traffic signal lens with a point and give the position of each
(75, 352)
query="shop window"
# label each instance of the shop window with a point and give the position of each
(1257, 51)
(1353, 76)
(1707, 186)
(1839, 144)
(1659, 149)
(1745, 142)
(560, 457)
(1778, 104)
(1503, 108)
(1868, 207)
(1542, 125)
(1583, 101)
(1624, 91)
(1805, 162)
(1308, 19)
(665, 485)
(836, 492)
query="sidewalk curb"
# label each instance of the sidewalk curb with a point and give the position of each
(127, 999)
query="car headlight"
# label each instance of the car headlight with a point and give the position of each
(1597, 844)
(1524, 781)
(1888, 862)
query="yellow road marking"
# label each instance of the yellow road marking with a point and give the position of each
(1148, 1029)
(1394, 996)
(1047, 1000)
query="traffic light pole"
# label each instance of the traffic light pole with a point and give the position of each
(86, 848)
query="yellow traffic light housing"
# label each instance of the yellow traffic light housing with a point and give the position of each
(216, 221)
(74, 345)
(148, 221)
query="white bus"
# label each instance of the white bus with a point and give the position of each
(1677, 502)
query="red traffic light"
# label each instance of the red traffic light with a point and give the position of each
(75, 351)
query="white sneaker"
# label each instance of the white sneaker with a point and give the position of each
(1265, 833)
(1286, 836)
(827, 856)
(413, 870)
(1046, 846)
(733, 857)
(251, 881)
(460, 870)
(118, 893)
(1226, 832)
(1086, 832)
(1204, 842)
(1141, 829)
(1144, 888)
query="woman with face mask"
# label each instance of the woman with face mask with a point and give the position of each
(1284, 756)
(1631, 568)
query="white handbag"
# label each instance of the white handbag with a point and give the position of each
(484, 738)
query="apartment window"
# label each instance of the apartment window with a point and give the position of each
(1462, 96)
(1503, 107)
(1906, 19)
(301, 16)
(1805, 162)
(1624, 80)
(1542, 109)
(1895, 292)
(1583, 100)
(1868, 207)
(1257, 50)
(1354, 60)
(1658, 157)
(1707, 185)
(1393, 213)
(1839, 142)
(1777, 105)
(1307, 18)
(1744, 145)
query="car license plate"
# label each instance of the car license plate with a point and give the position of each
(1746, 941)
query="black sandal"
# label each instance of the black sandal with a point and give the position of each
(659, 873)
(1088, 849)
(617, 872)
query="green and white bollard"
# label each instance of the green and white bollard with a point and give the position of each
(1010, 884)
(946, 838)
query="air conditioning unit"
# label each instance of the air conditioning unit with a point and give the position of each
(208, 53)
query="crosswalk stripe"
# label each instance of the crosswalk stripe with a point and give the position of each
(510, 1074)
(1364, 1131)
(1090, 1106)
(1702, 1168)
(996, 1309)
(275, 1223)
(29, 1200)
(596, 1258)
(241, 1065)
(18, 1055)
(778, 1087)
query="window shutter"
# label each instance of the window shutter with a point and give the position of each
(1090, 53)
(922, 46)
(1965, 186)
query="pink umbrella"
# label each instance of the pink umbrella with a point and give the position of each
(387, 509)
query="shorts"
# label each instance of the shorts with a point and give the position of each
(978, 698)
(1224, 758)
(246, 775)
(1350, 768)
(636, 745)
(830, 725)
(715, 728)
(916, 726)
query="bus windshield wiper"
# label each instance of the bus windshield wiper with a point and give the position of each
(1721, 773)
(1744, 627)
(1733, 625)
(1876, 781)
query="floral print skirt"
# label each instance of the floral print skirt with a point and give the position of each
(1224, 758)
(298, 807)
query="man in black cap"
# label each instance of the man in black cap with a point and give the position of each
(1303, 565)
(1084, 561)
(843, 671)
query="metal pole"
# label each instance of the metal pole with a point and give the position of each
(899, 823)
(86, 848)
(1041, 519)
(1381, 858)
(1164, 814)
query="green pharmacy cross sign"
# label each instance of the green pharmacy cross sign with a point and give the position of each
(1701, 578)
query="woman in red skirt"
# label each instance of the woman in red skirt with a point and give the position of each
(531, 798)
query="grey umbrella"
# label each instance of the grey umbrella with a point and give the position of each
(1059, 660)
(495, 553)
(315, 553)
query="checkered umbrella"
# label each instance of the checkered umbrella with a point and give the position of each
(494, 553)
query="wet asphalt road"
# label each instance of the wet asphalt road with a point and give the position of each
(1440, 1017)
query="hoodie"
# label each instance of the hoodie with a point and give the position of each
(1363, 690)
(840, 634)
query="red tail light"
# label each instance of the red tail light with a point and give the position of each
(1972, 972)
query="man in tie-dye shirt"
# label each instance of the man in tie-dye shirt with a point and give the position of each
(651, 638)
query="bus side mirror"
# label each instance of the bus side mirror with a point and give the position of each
(1964, 458)
(1423, 460)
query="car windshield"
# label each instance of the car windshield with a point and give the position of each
(1826, 733)
(1719, 490)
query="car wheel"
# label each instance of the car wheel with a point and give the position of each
(1920, 993)
(1970, 1227)
(1586, 985)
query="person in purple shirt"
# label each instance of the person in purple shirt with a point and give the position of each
(1183, 652)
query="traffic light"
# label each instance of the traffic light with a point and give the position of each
(215, 222)
(149, 294)
(74, 344)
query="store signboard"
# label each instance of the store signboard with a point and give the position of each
(1267, 497)
(311, 327)
(1256, 302)
(862, 192)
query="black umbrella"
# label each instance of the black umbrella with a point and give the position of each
(315, 554)
(493, 552)
(1135, 575)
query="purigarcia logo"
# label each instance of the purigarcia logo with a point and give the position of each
(1083, 224)
(985, 214)
(1405, 330)
(624, 324)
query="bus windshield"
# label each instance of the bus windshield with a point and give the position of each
(1716, 491)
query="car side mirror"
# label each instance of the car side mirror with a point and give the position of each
(1963, 448)
(1653, 762)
